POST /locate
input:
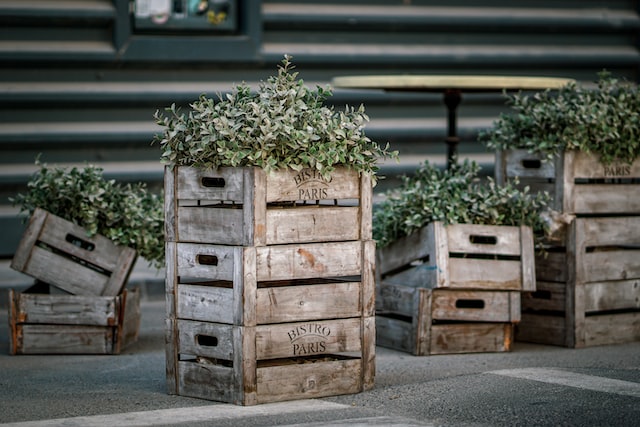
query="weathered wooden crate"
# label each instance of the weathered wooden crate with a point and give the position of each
(588, 289)
(249, 207)
(56, 251)
(461, 256)
(425, 321)
(578, 182)
(257, 324)
(43, 323)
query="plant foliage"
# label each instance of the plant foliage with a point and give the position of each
(603, 120)
(455, 195)
(283, 124)
(128, 214)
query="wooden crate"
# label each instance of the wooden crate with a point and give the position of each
(43, 323)
(461, 256)
(58, 252)
(595, 298)
(249, 207)
(250, 307)
(578, 182)
(425, 321)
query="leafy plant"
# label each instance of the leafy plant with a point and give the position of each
(128, 214)
(603, 120)
(455, 195)
(283, 124)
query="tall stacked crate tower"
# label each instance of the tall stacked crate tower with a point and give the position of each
(270, 285)
(588, 283)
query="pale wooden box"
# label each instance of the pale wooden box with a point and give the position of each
(424, 321)
(59, 252)
(249, 207)
(588, 292)
(461, 256)
(42, 323)
(248, 300)
(577, 181)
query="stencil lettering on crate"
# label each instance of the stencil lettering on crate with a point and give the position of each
(309, 338)
(311, 185)
(617, 170)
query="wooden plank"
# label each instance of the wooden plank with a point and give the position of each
(171, 278)
(245, 286)
(548, 297)
(121, 272)
(254, 208)
(205, 303)
(285, 262)
(66, 309)
(527, 259)
(172, 358)
(395, 334)
(368, 352)
(221, 185)
(308, 302)
(612, 329)
(29, 238)
(613, 295)
(608, 231)
(500, 240)
(606, 198)
(208, 262)
(208, 381)
(484, 274)
(542, 329)
(64, 339)
(422, 321)
(366, 207)
(319, 223)
(522, 164)
(308, 381)
(439, 256)
(170, 205)
(609, 265)
(129, 325)
(471, 306)
(220, 225)
(287, 185)
(245, 365)
(405, 250)
(471, 338)
(551, 267)
(587, 165)
(398, 299)
(368, 278)
(308, 338)
(205, 340)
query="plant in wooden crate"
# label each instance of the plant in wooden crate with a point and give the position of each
(454, 253)
(274, 188)
(580, 144)
(79, 220)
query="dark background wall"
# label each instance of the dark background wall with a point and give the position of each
(81, 79)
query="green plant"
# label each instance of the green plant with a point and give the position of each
(283, 124)
(456, 195)
(128, 214)
(603, 120)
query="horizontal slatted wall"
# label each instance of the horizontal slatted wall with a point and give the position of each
(79, 84)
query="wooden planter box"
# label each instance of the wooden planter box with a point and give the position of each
(578, 182)
(250, 325)
(425, 321)
(42, 323)
(461, 256)
(588, 292)
(248, 207)
(58, 252)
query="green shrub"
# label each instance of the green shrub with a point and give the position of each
(603, 120)
(456, 195)
(128, 214)
(283, 124)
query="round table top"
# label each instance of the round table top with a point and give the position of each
(450, 82)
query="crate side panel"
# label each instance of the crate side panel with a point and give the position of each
(500, 240)
(202, 224)
(205, 339)
(308, 338)
(287, 185)
(65, 339)
(308, 381)
(487, 274)
(396, 334)
(222, 184)
(205, 303)
(606, 198)
(211, 262)
(610, 265)
(472, 306)
(549, 297)
(542, 329)
(397, 299)
(67, 309)
(613, 295)
(207, 381)
(308, 302)
(612, 329)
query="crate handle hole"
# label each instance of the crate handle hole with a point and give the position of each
(214, 182)
(469, 303)
(531, 163)
(483, 240)
(81, 243)
(541, 294)
(207, 340)
(207, 259)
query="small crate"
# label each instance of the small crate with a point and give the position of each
(250, 325)
(589, 288)
(56, 251)
(249, 207)
(577, 181)
(461, 256)
(425, 321)
(43, 323)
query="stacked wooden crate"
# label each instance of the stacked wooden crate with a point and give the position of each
(588, 283)
(453, 289)
(79, 303)
(270, 284)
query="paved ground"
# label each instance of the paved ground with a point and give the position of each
(532, 386)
